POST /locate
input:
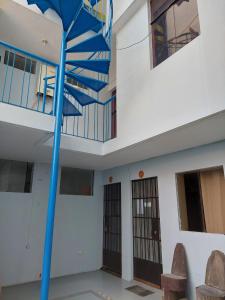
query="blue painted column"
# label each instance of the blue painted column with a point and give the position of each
(46, 271)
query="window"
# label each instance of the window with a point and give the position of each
(76, 83)
(15, 176)
(20, 62)
(76, 182)
(201, 196)
(175, 23)
(114, 117)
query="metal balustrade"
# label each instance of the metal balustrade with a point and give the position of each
(28, 81)
(21, 79)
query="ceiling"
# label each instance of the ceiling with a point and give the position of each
(26, 30)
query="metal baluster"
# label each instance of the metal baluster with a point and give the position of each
(78, 119)
(1, 66)
(24, 73)
(104, 122)
(88, 121)
(28, 87)
(55, 92)
(94, 120)
(97, 120)
(39, 87)
(14, 58)
(6, 75)
(45, 89)
(74, 118)
(84, 116)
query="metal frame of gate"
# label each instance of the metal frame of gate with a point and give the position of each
(146, 230)
(112, 228)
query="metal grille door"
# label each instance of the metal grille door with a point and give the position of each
(112, 228)
(146, 230)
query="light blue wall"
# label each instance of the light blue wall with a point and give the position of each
(77, 237)
(198, 245)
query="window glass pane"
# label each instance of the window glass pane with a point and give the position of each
(75, 83)
(186, 23)
(158, 7)
(76, 182)
(163, 31)
(19, 62)
(175, 28)
(15, 176)
(201, 200)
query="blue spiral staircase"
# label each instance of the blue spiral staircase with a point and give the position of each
(85, 57)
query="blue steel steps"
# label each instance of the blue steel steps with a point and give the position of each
(94, 2)
(78, 17)
(96, 65)
(69, 110)
(81, 97)
(84, 22)
(93, 44)
(94, 84)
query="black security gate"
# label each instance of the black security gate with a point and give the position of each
(146, 231)
(112, 228)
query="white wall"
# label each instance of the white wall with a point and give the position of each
(50, 14)
(77, 238)
(120, 7)
(186, 87)
(198, 245)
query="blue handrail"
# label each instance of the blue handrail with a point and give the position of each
(95, 123)
(26, 53)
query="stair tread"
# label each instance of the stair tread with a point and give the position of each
(69, 109)
(84, 23)
(81, 97)
(97, 65)
(94, 2)
(93, 44)
(92, 83)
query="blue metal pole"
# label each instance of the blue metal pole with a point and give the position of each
(46, 271)
(44, 96)
(55, 92)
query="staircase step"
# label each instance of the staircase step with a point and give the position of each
(94, 2)
(96, 65)
(82, 98)
(93, 44)
(56, 5)
(42, 4)
(94, 84)
(84, 23)
(69, 10)
(69, 110)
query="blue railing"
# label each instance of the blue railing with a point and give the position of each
(21, 79)
(96, 120)
(94, 124)
(23, 83)
(28, 80)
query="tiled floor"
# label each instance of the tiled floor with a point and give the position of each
(89, 286)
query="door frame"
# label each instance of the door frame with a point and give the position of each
(112, 262)
(141, 247)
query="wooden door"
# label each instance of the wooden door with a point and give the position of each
(213, 195)
(146, 231)
(112, 228)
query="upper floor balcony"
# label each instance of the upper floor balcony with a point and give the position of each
(173, 106)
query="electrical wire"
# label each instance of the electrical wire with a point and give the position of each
(150, 33)
(136, 43)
